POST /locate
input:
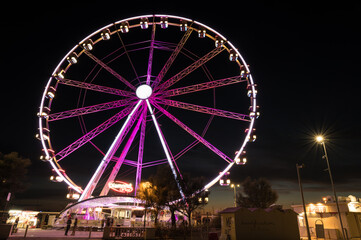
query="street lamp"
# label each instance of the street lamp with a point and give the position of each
(235, 193)
(303, 199)
(320, 139)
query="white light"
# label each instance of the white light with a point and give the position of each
(164, 145)
(76, 196)
(144, 91)
(320, 139)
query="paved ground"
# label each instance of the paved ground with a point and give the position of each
(37, 233)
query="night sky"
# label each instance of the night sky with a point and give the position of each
(304, 58)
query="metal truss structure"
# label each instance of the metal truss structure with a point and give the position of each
(136, 100)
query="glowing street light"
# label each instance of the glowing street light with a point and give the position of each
(235, 192)
(320, 139)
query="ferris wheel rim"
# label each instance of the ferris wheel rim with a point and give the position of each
(57, 167)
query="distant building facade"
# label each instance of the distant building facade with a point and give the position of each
(259, 224)
(323, 218)
(33, 219)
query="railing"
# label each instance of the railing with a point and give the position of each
(128, 233)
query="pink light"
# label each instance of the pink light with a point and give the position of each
(121, 187)
(108, 156)
(173, 92)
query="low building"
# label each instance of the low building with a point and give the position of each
(122, 211)
(33, 219)
(259, 224)
(323, 218)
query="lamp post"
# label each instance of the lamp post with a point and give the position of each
(303, 199)
(320, 139)
(235, 193)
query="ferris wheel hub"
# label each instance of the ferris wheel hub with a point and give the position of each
(144, 91)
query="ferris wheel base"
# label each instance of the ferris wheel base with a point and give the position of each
(96, 210)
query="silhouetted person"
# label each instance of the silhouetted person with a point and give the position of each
(74, 226)
(68, 223)
(15, 228)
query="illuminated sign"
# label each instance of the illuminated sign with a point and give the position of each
(121, 187)
(354, 206)
(318, 208)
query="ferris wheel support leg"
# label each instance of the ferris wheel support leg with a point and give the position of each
(108, 156)
(164, 145)
(138, 177)
(121, 159)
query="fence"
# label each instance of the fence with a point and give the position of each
(128, 233)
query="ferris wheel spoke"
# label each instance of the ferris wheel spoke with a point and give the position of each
(194, 134)
(94, 87)
(92, 134)
(138, 176)
(171, 161)
(129, 59)
(172, 57)
(154, 163)
(121, 159)
(133, 115)
(202, 109)
(109, 69)
(200, 62)
(151, 50)
(175, 157)
(89, 109)
(203, 86)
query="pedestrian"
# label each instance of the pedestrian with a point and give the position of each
(15, 228)
(74, 226)
(68, 223)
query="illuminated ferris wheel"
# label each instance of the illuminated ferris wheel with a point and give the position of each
(146, 91)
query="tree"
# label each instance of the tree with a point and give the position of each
(257, 193)
(162, 190)
(147, 193)
(195, 197)
(164, 179)
(13, 171)
(154, 195)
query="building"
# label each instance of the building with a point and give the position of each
(259, 224)
(33, 219)
(122, 211)
(323, 218)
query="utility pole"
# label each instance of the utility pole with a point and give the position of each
(320, 139)
(303, 199)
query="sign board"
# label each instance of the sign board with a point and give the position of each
(121, 187)
(354, 206)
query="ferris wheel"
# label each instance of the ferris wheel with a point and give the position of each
(146, 91)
